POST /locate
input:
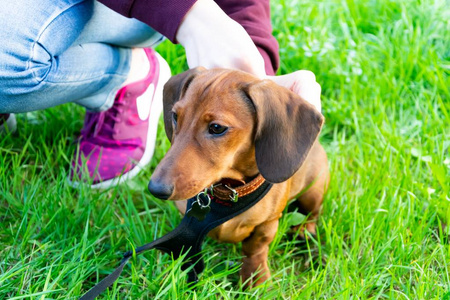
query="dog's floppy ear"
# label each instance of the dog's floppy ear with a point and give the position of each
(174, 89)
(286, 128)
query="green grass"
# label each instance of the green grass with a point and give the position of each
(384, 69)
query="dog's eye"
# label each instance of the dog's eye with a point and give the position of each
(174, 118)
(217, 129)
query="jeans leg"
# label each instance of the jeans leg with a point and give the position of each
(107, 26)
(42, 64)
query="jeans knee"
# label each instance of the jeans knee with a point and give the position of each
(31, 43)
(30, 55)
(19, 74)
(58, 36)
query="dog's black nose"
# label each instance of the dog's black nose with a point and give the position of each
(160, 190)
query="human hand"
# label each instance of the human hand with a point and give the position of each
(212, 39)
(302, 83)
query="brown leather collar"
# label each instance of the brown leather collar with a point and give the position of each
(225, 192)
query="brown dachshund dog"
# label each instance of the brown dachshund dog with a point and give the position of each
(230, 126)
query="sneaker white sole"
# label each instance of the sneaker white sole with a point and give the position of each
(10, 125)
(155, 112)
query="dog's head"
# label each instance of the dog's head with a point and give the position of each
(229, 124)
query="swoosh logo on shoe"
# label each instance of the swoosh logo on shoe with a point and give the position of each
(144, 102)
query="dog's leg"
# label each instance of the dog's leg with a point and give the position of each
(308, 204)
(254, 269)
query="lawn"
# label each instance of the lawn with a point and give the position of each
(384, 68)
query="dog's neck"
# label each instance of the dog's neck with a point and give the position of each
(245, 168)
(231, 190)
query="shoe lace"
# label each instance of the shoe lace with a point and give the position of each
(103, 122)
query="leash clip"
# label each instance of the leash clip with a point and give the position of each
(234, 197)
(203, 196)
(201, 206)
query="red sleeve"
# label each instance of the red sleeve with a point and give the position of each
(165, 16)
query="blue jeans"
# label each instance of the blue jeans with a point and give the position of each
(58, 51)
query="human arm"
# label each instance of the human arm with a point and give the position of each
(212, 39)
(242, 24)
(165, 16)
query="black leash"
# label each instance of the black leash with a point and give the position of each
(203, 213)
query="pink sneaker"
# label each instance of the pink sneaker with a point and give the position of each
(115, 144)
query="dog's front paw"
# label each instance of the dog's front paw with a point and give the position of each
(253, 275)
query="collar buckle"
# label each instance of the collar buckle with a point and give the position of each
(234, 197)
